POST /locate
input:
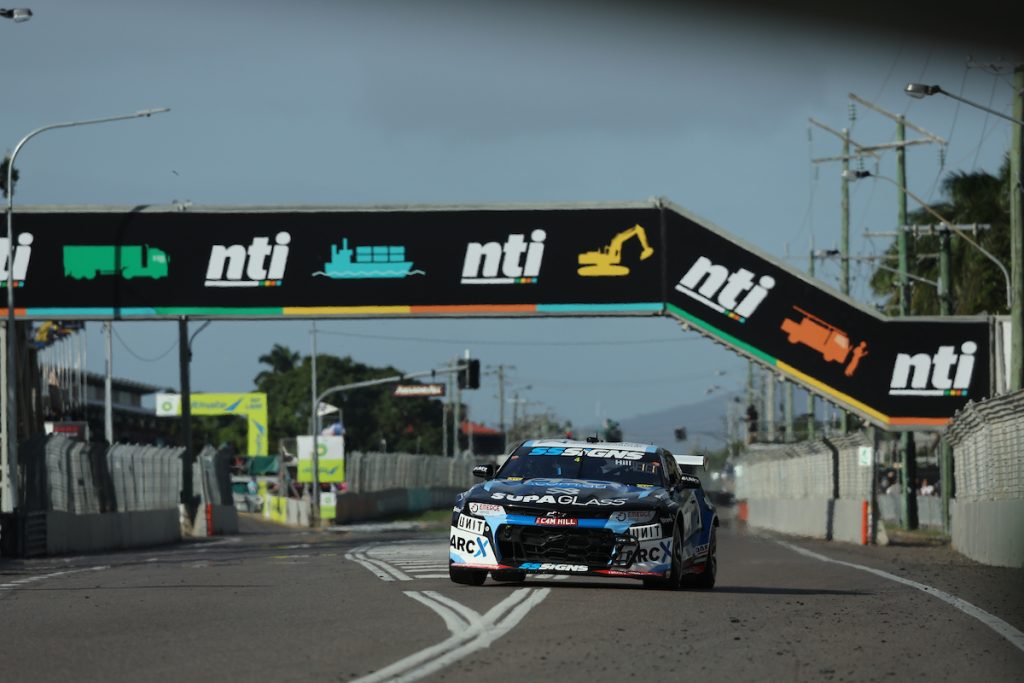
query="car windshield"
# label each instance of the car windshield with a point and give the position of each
(631, 467)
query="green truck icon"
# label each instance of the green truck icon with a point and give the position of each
(87, 261)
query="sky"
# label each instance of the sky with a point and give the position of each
(388, 102)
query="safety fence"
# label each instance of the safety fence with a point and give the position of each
(78, 497)
(811, 488)
(369, 472)
(988, 451)
(69, 476)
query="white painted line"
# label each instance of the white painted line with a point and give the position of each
(1004, 629)
(22, 583)
(452, 619)
(398, 574)
(478, 633)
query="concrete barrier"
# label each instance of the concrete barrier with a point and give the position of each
(804, 517)
(990, 531)
(70, 533)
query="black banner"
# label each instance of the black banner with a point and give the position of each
(645, 258)
(893, 370)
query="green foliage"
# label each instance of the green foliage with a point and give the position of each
(371, 415)
(978, 285)
(3, 175)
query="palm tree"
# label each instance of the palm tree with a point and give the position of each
(281, 359)
(977, 285)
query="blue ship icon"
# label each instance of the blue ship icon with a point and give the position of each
(377, 261)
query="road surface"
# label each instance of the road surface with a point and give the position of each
(292, 605)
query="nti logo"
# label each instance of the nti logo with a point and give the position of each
(715, 286)
(260, 264)
(22, 254)
(519, 261)
(945, 373)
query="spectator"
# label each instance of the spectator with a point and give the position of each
(926, 489)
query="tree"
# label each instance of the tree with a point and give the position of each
(370, 414)
(978, 285)
(3, 175)
(280, 359)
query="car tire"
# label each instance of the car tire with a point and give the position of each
(467, 577)
(675, 576)
(509, 575)
(706, 579)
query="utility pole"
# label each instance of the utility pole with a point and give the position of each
(1016, 236)
(184, 359)
(501, 408)
(810, 396)
(444, 417)
(456, 415)
(108, 381)
(314, 429)
(788, 395)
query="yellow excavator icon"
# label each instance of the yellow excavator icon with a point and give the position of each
(607, 261)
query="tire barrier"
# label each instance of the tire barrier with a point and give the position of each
(988, 440)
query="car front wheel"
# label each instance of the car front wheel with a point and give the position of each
(468, 577)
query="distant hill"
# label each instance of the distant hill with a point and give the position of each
(704, 422)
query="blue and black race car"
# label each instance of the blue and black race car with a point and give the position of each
(586, 508)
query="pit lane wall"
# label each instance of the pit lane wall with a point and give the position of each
(78, 497)
(812, 488)
(383, 485)
(988, 453)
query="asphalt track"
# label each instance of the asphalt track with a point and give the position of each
(286, 605)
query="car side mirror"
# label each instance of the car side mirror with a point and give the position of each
(689, 481)
(484, 471)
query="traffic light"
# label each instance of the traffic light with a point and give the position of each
(469, 376)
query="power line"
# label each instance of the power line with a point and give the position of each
(137, 356)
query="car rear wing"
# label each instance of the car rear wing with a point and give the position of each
(692, 461)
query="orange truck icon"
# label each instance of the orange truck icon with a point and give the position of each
(812, 331)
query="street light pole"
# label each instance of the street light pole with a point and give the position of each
(1015, 282)
(10, 441)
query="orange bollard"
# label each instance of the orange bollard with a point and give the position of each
(209, 520)
(864, 523)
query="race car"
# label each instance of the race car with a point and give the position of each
(586, 508)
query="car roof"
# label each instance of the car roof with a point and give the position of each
(620, 445)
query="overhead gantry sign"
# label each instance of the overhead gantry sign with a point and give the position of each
(648, 258)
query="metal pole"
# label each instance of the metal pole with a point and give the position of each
(11, 423)
(108, 395)
(444, 416)
(456, 416)
(844, 241)
(768, 381)
(810, 396)
(9, 491)
(1016, 236)
(314, 420)
(789, 411)
(908, 449)
(501, 408)
(184, 359)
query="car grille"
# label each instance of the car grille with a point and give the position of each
(592, 547)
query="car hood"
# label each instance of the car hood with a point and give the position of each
(562, 493)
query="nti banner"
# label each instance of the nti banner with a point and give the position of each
(627, 259)
(267, 263)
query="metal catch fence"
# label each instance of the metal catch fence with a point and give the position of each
(988, 448)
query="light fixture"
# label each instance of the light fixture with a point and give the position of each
(920, 90)
(19, 15)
